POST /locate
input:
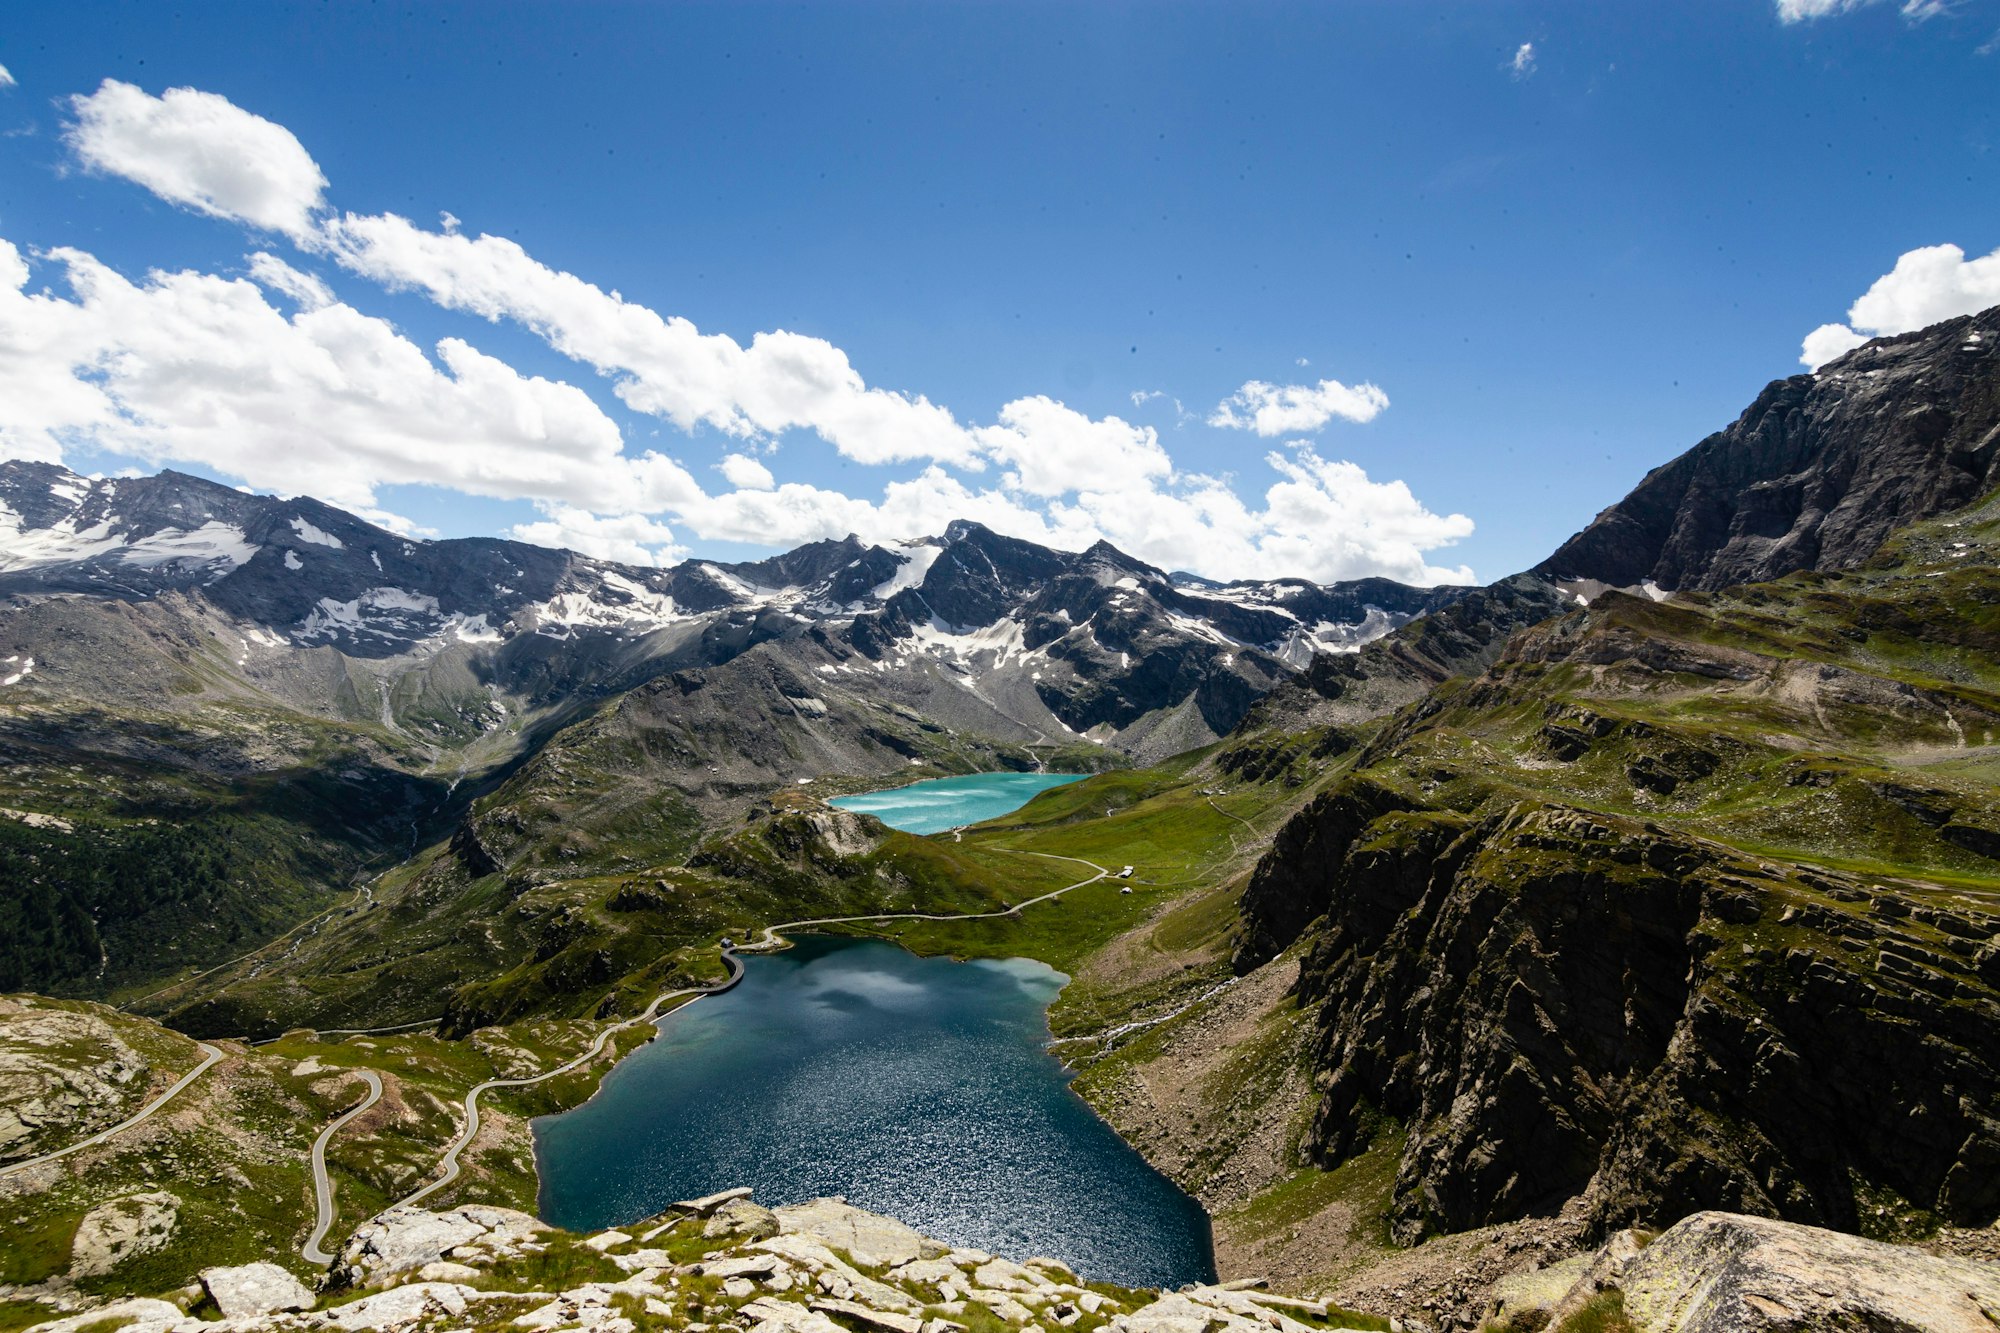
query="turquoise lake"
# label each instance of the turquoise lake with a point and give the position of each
(945, 803)
(916, 1087)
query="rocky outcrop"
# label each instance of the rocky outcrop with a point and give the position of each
(833, 1268)
(405, 1240)
(1561, 1004)
(869, 1238)
(255, 1289)
(1726, 1273)
(1816, 473)
(741, 1217)
(1716, 1273)
(63, 1076)
(122, 1229)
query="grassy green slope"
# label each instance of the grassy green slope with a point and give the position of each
(1847, 720)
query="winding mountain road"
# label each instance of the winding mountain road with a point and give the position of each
(768, 938)
(322, 1187)
(471, 1127)
(209, 1056)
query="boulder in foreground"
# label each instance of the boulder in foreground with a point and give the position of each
(254, 1289)
(1730, 1273)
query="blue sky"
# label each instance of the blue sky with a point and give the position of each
(1563, 242)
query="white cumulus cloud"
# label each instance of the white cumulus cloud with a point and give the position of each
(1801, 11)
(1928, 284)
(308, 291)
(6, 79)
(747, 473)
(1052, 450)
(193, 367)
(1321, 519)
(200, 151)
(200, 368)
(661, 365)
(631, 539)
(1523, 64)
(1291, 409)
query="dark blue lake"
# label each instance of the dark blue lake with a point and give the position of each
(944, 803)
(917, 1087)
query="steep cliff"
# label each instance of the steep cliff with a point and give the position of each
(1561, 1004)
(1679, 905)
(1815, 473)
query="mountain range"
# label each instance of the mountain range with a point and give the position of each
(338, 616)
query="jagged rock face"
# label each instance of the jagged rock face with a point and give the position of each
(1586, 924)
(1816, 473)
(1293, 884)
(1461, 636)
(1559, 1004)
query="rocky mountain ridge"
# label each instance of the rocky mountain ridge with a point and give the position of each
(1815, 474)
(1065, 643)
(1678, 905)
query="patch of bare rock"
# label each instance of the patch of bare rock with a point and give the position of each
(1728, 1273)
(725, 1264)
(63, 1075)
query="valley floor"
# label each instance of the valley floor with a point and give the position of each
(1206, 1072)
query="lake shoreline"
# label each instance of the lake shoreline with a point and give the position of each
(1008, 1075)
(939, 805)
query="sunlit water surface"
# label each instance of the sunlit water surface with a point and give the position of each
(942, 803)
(917, 1087)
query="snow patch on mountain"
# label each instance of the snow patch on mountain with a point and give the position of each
(384, 613)
(1197, 628)
(742, 589)
(219, 546)
(472, 629)
(1004, 641)
(28, 548)
(318, 537)
(917, 558)
(1303, 644)
(630, 606)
